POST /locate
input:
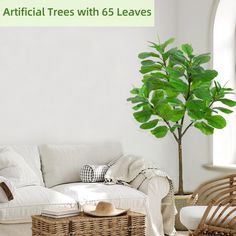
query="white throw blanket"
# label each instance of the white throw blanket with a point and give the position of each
(129, 168)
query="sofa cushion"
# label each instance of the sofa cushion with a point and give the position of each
(30, 201)
(90, 193)
(191, 216)
(62, 163)
(30, 154)
(15, 168)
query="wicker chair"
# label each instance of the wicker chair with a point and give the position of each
(213, 210)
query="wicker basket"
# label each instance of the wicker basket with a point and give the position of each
(131, 224)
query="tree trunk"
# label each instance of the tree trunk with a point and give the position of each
(181, 185)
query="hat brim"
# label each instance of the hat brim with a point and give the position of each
(116, 212)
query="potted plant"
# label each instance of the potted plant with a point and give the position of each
(178, 93)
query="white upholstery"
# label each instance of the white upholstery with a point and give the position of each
(191, 216)
(62, 163)
(23, 229)
(90, 193)
(29, 201)
(158, 220)
(14, 167)
(30, 154)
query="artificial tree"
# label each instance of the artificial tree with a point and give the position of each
(177, 93)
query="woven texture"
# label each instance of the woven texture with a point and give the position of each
(219, 197)
(93, 173)
(131, 224)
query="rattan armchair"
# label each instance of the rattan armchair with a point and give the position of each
(218, 217)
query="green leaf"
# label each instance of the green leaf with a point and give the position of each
(164, 110)
(142, 116)
(134, 91)
(187, 48)
(202, 93)
(154, 84)
(205, 129)
(174, 101)
(167, 54)
(227, 91)
(155, 75)
(216, 121)
(224, 110)
(201, 59)
(228, 102)
(167, 42)
(195, 114)
(147, 62)
(174, 73)
(149, 125)
(144, 91)
(145, 55)
(157, 96)
(199, 84)
(150, 68)
(158, 47)
(139, 106)
(196, 109)
(209, 111)
(178, 85)
(171, 93)
(160, 131)
(136, 99)
(195, 104)
(177, 114)
(207, 75)
(178, 58)
(161, 47)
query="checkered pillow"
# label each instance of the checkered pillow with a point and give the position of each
(93, 173)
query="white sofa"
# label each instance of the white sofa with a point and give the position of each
(57, 168)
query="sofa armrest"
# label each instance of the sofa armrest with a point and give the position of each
(156, 189)
(157, 185)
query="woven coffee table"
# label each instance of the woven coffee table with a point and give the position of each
(131, 224)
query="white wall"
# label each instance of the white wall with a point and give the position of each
(224, 51)
(69, 85)
(195, 25)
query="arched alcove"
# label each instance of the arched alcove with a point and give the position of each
(224, 141)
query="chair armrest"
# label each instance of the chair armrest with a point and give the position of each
(219, 215)
(207, 191)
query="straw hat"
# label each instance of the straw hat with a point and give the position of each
(103, 209)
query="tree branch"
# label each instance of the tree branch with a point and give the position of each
(181, 127)
(187, 128)
(168, 124)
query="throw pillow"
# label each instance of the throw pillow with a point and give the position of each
(14, 168)
(93, 173)
(6, 190)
